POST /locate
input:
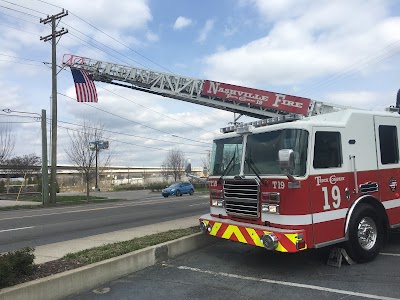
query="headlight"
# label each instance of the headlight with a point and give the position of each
(217, 202)
(270, 208)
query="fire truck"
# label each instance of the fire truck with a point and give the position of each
(306, 175)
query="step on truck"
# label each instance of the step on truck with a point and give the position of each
(307, 175)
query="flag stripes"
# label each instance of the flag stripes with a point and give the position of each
(84, 86)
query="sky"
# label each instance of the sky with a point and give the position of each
(343, 52)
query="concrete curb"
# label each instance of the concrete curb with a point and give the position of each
(84, 278)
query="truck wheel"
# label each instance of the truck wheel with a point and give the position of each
(178, 193)
(365, 235)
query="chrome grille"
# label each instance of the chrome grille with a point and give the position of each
(241, 197)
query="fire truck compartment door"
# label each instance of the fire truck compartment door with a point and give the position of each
(387, 151)
(331, 180)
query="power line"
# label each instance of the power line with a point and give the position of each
(104, 45)
(102, 50)
(108, 46)
(33, 33)
(138, 123)
(156, 111)
(12, 3)
(111, 37)
(36, 24)
(353, 68)
(21, 12)
(23, 58)
(129, 143)
(132, 135)
(18, 62)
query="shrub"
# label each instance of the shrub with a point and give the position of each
(15, 264)
(157, 186)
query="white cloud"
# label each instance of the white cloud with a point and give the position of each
(315, 39)
(152, 37)
(182, 22)
(208, 26)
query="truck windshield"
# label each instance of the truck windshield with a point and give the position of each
(262, 151)
(261, 157)
(226, 156)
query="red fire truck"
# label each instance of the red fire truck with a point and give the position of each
(307, 175)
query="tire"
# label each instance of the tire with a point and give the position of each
(178, 193)
(191, 192)
(366, 234)
(165, 196)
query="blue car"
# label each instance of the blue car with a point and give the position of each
(178, 189)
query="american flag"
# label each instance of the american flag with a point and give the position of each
(84, 86)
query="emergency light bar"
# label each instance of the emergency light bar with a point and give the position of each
(260, 123)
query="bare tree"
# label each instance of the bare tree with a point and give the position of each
(79, 153)
(165, 172)
(175, 163)
(7, 142)
(206, 165)
(25, 165)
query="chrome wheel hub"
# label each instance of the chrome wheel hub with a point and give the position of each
(367, 233)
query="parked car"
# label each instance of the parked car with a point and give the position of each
(178, 189)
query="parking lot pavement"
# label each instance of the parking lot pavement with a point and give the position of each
(228, 270)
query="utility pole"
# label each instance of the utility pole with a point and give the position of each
(45, 172)
(53, 36)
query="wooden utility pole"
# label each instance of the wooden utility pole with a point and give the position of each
(53, 36)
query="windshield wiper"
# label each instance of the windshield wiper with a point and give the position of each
(253, 167)
(227, 167)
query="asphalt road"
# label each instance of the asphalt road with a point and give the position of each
(228, 270)
(22, 228)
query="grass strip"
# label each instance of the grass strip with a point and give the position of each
(62, 201)
(100, 253)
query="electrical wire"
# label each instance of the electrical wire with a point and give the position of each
(21, 12)
(99, 43)
(138, 123)
(128, 143)
(156, 111)
(12, 3)
(132, 135)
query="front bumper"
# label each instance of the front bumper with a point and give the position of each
(167, 193)
(247, 233)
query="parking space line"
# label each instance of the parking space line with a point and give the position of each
(285, 283)
(390, 254)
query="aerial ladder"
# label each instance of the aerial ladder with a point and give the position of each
(260, 104)
(237, 99)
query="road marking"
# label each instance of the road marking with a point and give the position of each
(390, 254)
(285, 283)
(140, 203)
(13, 229)
(205, 203)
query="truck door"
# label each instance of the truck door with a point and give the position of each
(329, 185)
(387, 140)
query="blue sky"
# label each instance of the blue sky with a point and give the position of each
(343, 52)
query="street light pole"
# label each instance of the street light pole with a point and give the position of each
(97, 146)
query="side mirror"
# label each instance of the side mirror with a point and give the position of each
(287, 164)
(286, 160)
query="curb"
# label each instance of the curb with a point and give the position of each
(81, 279)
